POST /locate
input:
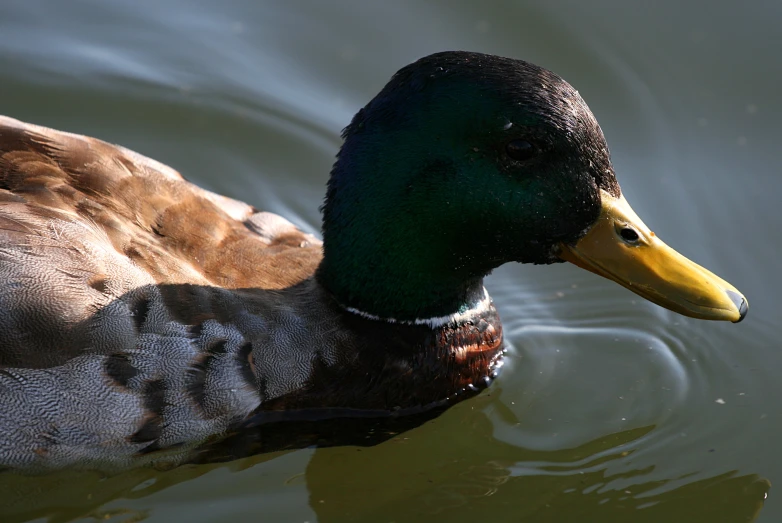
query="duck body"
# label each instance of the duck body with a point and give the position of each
(142, 317)
(144, 313)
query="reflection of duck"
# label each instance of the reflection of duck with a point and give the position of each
(473, 473)
(143, 313)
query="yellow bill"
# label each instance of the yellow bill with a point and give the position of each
(620, 247)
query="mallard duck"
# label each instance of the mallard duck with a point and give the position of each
(142, 314)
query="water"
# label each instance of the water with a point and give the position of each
(609, 409)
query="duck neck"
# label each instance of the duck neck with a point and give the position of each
(398, 296)
(385, 262)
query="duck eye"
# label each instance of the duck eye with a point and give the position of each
(520, 150)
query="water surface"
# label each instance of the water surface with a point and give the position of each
(610, 409)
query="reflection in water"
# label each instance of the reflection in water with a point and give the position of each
(484, 475)
(472, 477)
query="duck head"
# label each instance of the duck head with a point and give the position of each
(466, 161)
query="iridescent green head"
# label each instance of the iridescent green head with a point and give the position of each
(463, 162)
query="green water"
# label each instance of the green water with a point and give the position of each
(609, 409)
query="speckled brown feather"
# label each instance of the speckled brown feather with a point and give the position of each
(88, 221)
(170, 228)
(141, 316)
